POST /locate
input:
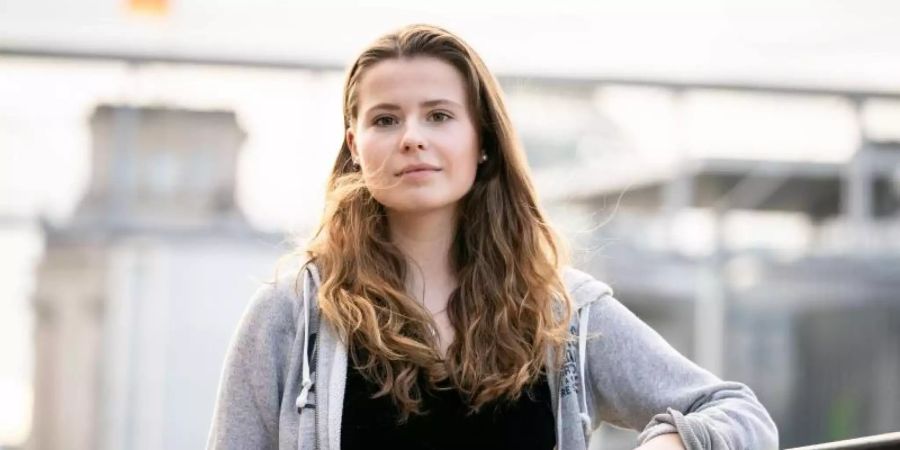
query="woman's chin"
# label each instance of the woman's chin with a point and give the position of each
(419, 207)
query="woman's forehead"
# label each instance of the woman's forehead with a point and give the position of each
(407, 82)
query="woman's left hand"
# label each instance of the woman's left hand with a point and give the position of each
(668, 441)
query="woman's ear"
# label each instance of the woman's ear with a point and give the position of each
(351, 144)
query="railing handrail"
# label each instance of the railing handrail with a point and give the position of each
(878, 441)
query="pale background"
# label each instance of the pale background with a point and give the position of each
(635, 89)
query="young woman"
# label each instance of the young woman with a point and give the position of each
(434, 310)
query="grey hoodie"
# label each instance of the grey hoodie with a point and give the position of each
(619, 371)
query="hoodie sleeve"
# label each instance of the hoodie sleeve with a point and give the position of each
(247, 407)
(637, 380)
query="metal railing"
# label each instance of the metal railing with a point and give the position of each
(878, 441)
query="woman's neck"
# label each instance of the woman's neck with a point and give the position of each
(426, 239)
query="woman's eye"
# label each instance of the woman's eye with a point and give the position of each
(383, 121)
(440, 116)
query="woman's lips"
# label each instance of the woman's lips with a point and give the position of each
(417, 167)
(419, 173)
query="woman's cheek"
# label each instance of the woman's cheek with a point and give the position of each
(379, 151)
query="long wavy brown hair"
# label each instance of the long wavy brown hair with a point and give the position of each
(510, 307)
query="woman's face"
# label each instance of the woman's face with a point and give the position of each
(414, 136)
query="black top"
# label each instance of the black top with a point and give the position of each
(369, 423)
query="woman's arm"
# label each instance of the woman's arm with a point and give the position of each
(637, 380)
(668, 441)
(250, 390)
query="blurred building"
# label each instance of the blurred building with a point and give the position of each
(810, 321)
(814, 333)
(139, 293)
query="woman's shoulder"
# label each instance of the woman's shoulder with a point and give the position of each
(276, 304)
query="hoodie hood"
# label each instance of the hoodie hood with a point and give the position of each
(583, 288)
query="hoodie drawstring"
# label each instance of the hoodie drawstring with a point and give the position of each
(306, 382)
(586, 421)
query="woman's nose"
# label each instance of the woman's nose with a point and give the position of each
(413, 138)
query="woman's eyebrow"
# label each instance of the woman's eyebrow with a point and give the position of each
(385, 106)
(425, 104)
(440, 101)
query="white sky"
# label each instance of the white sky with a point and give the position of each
(824, 42)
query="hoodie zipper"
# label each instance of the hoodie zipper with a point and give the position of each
(315, 362)
(318, 417)
(318, 406)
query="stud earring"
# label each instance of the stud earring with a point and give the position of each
(483, 157)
